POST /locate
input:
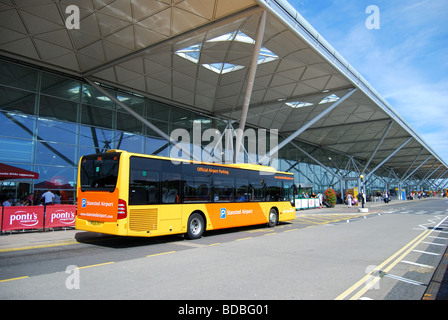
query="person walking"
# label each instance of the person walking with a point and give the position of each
(48, 197)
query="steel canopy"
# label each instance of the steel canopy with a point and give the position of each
(196, 54)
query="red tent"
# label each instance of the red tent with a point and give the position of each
(10, 172)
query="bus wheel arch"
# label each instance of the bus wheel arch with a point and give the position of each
(273, 217)
(196, 225)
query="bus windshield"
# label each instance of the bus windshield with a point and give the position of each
(99, 172)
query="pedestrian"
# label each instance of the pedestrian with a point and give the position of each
(349, 200)
(321, 198)
(7, 202)
(48, 197)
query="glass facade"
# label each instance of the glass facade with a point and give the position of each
(48, 121)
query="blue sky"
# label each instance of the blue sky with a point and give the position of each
(406, 60)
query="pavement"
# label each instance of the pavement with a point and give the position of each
(26, 240)
(18, 241)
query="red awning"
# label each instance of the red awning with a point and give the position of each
(10, 172)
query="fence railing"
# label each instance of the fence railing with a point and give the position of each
(37, 217)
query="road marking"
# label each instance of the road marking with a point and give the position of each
(65, 243)
(435, 244)
(160, 254)
(12, 279)
(406, 249)
(417, 264)
(426, 252)
(214, 244)
(95, 265)
(243, 239)
(438, 237)
(405, 280)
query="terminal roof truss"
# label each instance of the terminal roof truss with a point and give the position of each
(197, 54)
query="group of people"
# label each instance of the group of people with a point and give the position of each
(47, 198)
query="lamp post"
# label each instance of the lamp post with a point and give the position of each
(362, 195)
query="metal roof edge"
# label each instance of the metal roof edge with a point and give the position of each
(285, 11)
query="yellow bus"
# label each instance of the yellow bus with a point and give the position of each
(130, 194)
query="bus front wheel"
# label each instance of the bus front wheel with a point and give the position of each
(195, 226)
(273, 218)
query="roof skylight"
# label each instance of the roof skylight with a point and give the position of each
(299, 104)
(222, 68)
(330, 98)
(192, 53)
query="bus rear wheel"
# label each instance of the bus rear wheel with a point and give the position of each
(195, 226)
(273, 218)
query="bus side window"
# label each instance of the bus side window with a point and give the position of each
(223, 189)
(196, 189)
(241, 189)
(274, 189)
(170, 187)
(143, 187)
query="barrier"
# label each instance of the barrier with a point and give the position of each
(307, 203)
(37, 217)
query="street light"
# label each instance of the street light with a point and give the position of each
(362, 190)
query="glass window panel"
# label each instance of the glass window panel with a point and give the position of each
(17, 100)
(16, 125)
(60, 180)
(57, 131)
(97, 117)
(157, 147)
(16, 150)
(18, 76)
(57, 86)
(158, 111)
(129, 142)
(136, 103)
(83, 151)
(223, 189)
(241, 190)
(55, 154)
(196, 189)
(100, 138)
(126, 122)
(170, 187)
(93, 97)
(144, 182)
(57, 108)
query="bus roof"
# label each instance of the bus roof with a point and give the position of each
(246, 166)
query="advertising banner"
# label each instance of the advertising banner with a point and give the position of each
(32, 217)
(18, 218)
(60, 216)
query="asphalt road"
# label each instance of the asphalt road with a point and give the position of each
(390, 253)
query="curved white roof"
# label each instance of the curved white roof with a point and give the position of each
(196, 54)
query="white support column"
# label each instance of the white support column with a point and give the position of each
(250, 84)
(306, 126)
(140, 118)
(387, 159)
(377, 146)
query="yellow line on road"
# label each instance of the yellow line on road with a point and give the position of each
(365, 280)
(160, 254)
(12, 279)
(243, 239)
(95, 265)
(58, 244)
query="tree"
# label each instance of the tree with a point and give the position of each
(330, 196)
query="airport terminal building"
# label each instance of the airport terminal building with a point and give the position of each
(248, 80)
